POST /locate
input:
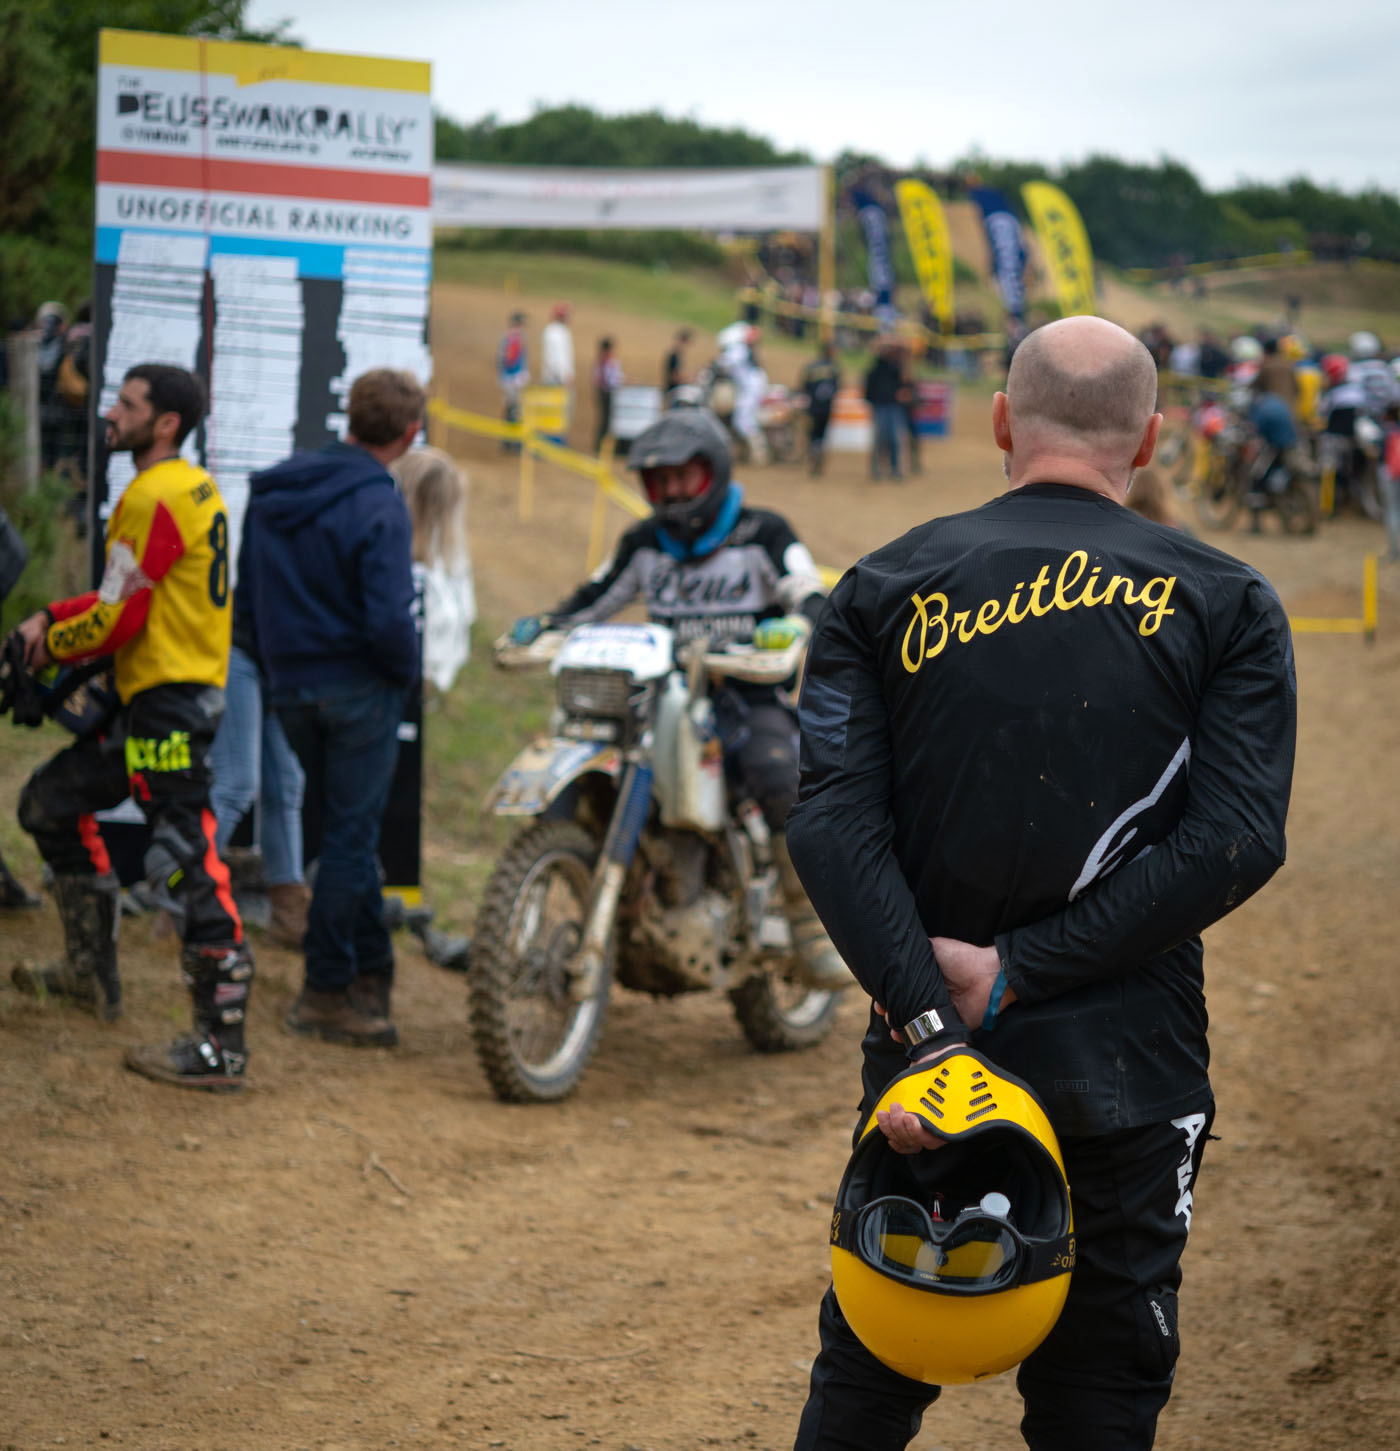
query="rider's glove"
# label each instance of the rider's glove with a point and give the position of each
(528, 628)
(780, 633)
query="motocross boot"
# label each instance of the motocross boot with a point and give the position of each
(87, 973)
(819, 964)
(13, 893)
(213, 1057)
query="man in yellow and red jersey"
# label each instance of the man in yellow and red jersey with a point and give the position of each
(162, 610)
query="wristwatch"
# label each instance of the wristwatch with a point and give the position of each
(921, 1029)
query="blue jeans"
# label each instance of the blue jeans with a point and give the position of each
(252, 762)
(347, 739)
(889, 424)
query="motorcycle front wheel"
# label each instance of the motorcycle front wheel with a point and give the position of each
(779, 1014)
(533, 1039)
(1297, 507)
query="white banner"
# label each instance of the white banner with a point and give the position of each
(745, 199)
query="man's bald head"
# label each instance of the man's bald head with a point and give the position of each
(1082, 375)
(1079, 407)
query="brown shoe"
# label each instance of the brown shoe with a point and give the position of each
(331, 1017)
(287, 923)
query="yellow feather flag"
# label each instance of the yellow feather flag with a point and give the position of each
(927, 230)
(1065, 244)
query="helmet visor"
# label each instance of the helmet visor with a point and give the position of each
(973, 1253)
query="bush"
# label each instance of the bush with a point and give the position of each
(57, 565)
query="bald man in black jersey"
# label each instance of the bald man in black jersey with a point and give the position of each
(1045, 743)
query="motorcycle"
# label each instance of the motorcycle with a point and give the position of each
(1229, 487)
(1354, 466)
(634, 864)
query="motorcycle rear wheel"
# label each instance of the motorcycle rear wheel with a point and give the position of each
(779, 1014)
(533, 1040)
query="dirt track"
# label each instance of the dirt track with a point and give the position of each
(366, 1250)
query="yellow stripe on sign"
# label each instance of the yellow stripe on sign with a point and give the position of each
(253, 64)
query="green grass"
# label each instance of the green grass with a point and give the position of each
(703, 298)
(470, 735)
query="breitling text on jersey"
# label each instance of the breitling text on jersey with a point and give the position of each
(1076, 586)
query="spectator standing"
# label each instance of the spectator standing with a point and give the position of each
(252, 762)
(162, 610)
(607, 379)
(883, 382)
(1277, 375)
(673, 372)
(513, 371)
(14, 555)
(1062, 736)
(326, 590)
(1214, 360)
(821, 381)
(909, 406)
(557, 368)
(436, 495)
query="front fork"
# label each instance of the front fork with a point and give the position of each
(619, 847)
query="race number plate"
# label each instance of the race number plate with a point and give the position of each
(643, 651)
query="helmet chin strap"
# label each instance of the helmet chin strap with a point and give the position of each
(712, 538)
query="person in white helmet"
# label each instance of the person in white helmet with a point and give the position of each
(1370, 372)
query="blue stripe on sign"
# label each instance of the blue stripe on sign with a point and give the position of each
(314, 259)
(823, 713)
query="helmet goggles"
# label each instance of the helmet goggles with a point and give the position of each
(974, 1253)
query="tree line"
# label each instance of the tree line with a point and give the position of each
(1137, 214)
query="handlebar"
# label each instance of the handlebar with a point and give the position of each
(733, 660)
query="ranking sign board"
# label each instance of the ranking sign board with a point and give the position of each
(263, 217)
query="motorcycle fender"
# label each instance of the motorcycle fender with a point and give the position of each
(543, 769)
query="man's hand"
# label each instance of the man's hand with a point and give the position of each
(905, 1131)
(969, 972)
(35, 633)
(528, 628)
(780, 633)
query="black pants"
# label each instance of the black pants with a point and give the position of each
(346, 738)
(1102, 1376)
(157, 752)
(760, 739)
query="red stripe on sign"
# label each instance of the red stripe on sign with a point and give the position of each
(261, 178)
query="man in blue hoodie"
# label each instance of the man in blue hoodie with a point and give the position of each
(325, 590)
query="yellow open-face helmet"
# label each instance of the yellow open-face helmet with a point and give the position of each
(953, 1264)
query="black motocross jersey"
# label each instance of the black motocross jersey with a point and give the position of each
(1049, 724)
(760, 571)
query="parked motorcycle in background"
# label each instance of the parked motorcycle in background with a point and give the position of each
(634, 862)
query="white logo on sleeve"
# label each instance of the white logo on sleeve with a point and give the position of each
(1191, 1125)
(123, 576)
(1111, 848)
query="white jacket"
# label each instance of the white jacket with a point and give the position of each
(558, 343)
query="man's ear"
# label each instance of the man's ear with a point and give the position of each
(1001, 421)
(166, 426)
(1149, 442)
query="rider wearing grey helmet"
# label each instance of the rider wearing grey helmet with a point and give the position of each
(707, 564)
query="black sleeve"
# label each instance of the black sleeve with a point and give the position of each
(840, 832)
(612, 585)
(1227, 844)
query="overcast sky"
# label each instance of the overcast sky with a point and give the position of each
(1260, 89)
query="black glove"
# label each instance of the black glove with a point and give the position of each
(19, 691)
